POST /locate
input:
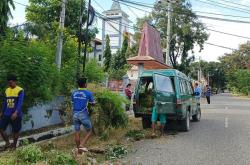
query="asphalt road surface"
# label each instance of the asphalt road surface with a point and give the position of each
(222, 137)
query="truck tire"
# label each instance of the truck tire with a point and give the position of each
(185, 124)
(146, 122)
(197, 117)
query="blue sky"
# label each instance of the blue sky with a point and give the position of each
(210, 53)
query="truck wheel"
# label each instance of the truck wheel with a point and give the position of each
(146, 122)
(185, 124)
(197, 117)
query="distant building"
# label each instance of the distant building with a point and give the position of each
(96, 52)
(115, 26)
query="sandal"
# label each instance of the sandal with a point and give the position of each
(84, 149)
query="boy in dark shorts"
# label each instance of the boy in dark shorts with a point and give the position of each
(12, 112)
(80, 100)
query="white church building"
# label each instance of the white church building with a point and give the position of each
(115, 26)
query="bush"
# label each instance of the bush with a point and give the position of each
(29, 154)
(94, 71)
(240, 82)
(55, 158)
(115, 152)
(30, 61)
(135, 134)
(108, 111)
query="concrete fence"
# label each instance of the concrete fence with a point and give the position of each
(42, 115)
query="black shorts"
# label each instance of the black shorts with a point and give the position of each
(16, 124)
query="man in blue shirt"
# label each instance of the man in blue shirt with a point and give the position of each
(197, 93)
(12, 112)
(80, 100)
(208, 93)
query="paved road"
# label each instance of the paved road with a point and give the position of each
(222, 137)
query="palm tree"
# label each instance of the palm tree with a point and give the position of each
(5, 13)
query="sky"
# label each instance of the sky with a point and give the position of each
(209, 53)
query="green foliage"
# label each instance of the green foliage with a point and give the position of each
(117, 74)
(135, 134)
(30, 61)
(33, 153)
(94, 71)
(55, 157)
(29, 154)
(119, 59)
(5, 13)
(214, 70)
(45, 16)
(187, 31)
(111, 108)
(108, 111)
(240, 83)
(236, 66)
(107, 55)
(104, 135)
(115, 152)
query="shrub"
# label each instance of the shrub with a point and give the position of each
(108, 111)
(30, 61)
(29, 154)
(135, 134)
(54, 158)
(94, 72)
(240, 82)
(115, 152)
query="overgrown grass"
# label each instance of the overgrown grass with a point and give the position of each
(58, 151)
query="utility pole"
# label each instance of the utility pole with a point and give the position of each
(60, 38)
(169, 15)
(86, 36)
(79, 42)
(208, 79)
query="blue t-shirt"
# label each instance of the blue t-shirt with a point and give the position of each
(208, 92)
(80, 99)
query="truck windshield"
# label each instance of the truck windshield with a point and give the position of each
(163, 83)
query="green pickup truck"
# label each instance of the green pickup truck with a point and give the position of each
(171, 92)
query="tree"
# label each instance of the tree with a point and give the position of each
(5, 13)
(187, 31)
(107, 55)
(29, 60)
(119, 59)
(44, 17)
(94, 72)
(236, 66)
(214, 70)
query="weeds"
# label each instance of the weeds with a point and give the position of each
(29, 154)
(115, 152)
(135, 134)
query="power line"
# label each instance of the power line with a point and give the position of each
(134, 6)
(235, 3)
(132, 11)
(224, 47)
(228, 5)
(235, 35)
(201, 16)
(226, 15)
(224, 19)
(223, 6)
(99, 5)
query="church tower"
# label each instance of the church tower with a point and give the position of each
(115, 26)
